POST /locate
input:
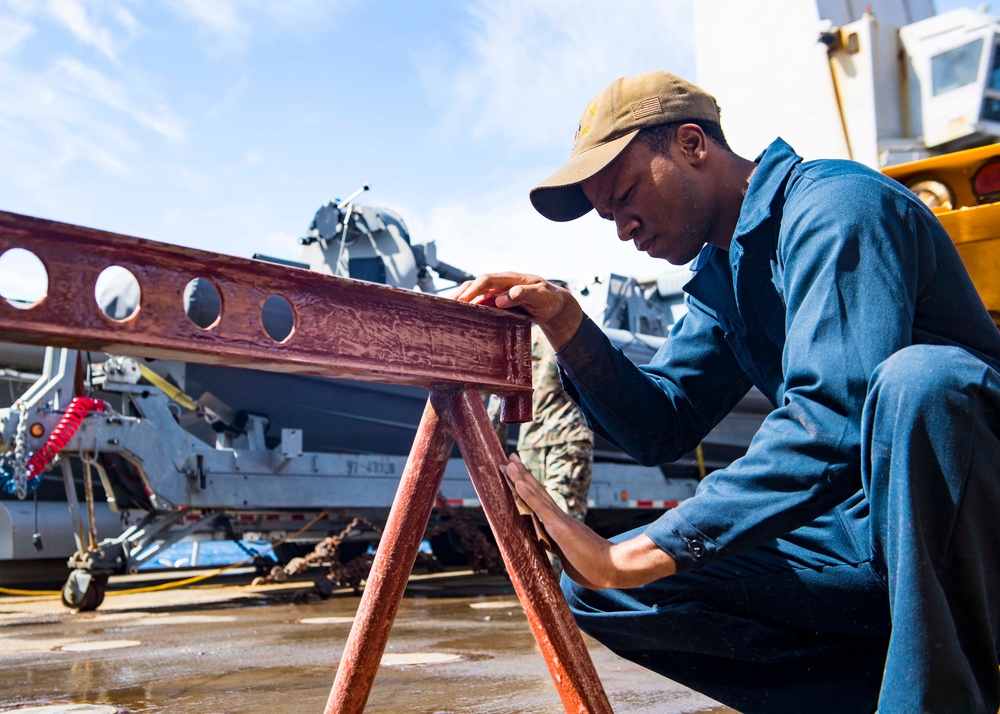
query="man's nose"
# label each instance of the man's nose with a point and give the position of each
(627, 227)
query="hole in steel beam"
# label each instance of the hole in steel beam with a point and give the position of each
(278, 318)
(117, 293)
(24, 282)
(202, 303)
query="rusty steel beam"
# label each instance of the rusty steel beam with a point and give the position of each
(346, 329)
(343, 328)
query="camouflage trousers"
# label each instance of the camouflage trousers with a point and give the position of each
(565, 470)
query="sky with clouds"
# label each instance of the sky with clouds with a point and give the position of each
(224, 125)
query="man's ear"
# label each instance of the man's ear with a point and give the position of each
(693, 143)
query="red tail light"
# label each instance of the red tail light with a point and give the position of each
(986, 181)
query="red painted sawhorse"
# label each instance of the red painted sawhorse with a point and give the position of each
(345, 329)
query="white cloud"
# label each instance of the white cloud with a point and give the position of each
(233, 24)
(218, 16)
(45, 129)
(73, 114)
(127, 20)
(532, 66)
(58, 111)
(73, 15)
(12, 34)
(102, 146)
(74, 76)
(23, 7)
(231, 97)
(301, 14)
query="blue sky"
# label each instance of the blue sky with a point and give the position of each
(225, 124)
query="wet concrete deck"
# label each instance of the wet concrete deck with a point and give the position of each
(230, 647)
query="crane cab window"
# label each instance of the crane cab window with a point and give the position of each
(956, 68)
(993, 80)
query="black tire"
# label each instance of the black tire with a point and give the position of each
(91, 599)
(449, 549)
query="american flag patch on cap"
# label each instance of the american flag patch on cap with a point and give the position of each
(646, 107)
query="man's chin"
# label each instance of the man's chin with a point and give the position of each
(672, 259)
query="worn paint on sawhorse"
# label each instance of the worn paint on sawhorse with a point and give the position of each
(346, 329)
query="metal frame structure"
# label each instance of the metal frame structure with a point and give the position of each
(346, 329)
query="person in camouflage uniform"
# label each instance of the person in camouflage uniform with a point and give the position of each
(556, 446)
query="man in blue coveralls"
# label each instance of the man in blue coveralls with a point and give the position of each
(848, 562)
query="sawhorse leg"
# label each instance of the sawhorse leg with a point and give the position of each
(555, 630)
(561, 644)
(397, 551)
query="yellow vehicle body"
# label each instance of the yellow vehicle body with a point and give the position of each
(972, 222)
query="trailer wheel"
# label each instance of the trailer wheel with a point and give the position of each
(449, 549)
(84, 592)
(453, 546)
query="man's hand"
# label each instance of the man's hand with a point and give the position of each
(589, 559)
(553, 308)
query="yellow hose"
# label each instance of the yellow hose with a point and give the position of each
(13, 591)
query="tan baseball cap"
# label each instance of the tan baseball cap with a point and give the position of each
(608, 125)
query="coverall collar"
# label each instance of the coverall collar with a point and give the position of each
(774, 166)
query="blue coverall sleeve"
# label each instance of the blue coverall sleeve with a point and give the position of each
(849, 281)
(661, 411)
